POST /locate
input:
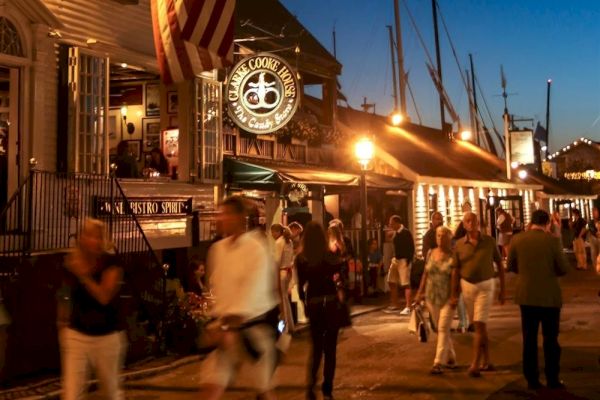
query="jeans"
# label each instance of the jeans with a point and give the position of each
(442, 318)
(324, 334)
(105, 354)
(549, 317)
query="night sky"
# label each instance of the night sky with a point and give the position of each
(533, 39)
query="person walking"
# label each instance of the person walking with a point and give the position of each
(436, 289)
(474, 257)
(579, 227)
(504, 224)
(593, 233)
(399, 272)
(243, 282)
(430, 237)
(90, 332)
(538, 260)
(284, 262)
(320, 270)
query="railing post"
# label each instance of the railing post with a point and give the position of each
(162, 339)
(113, 170)
(29, 216)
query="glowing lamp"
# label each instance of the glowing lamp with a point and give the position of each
(514, 164)
(397, 118)
(124, 111)
(522, 174)
(466, 135)
(364, 150)
(544, 148)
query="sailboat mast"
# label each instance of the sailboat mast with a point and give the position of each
(400, 53)
(548, 116)
(438, 59)
(395, 83)
(475, 109)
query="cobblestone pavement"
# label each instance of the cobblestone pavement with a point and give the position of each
(379, 359)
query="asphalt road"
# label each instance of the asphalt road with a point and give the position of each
(379, 359)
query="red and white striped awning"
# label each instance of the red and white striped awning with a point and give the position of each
(191, 36)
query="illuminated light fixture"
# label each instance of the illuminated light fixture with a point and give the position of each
(466, 135)
(396, 118)
(364, 150)
(544, 148)
(124, 111)
(124, 65)
(522, 174)
(575, 143)
(139, 114)
(91, 41)
(568, 147)
(514, 164)
(549, 80)
(431, 190)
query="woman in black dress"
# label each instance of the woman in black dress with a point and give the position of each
(319, 269)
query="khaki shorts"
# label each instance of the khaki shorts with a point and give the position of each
(399, 272)
(478, 298)
(220, 365)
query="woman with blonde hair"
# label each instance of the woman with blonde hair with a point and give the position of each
(90, 332)
(435, 288)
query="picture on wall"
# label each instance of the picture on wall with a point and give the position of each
(151, 133)
(131, 95)
(135, 148)
(172, 102)
(152, 100)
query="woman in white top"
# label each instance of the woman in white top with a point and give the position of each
(284, 261)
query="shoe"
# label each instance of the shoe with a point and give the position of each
(328, 397)
(474, 373)
(391, 310)
(451, 364)
(536, 385)
(436, 370)
(471, 328)
(406, 311)
(310, 395)
(487, 368)
(556, 385)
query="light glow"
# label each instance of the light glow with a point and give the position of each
(397, 119)
(364, 150)
(466, 135)
(124, 111)
(522, 174)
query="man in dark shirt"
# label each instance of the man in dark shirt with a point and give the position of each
(399, 272)
(429, 243)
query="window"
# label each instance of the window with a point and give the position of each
(10, 42)
(208, 130)
(89, 77)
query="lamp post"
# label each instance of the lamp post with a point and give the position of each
(363, 151)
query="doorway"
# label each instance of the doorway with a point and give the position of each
(9, 124)
(511, 204)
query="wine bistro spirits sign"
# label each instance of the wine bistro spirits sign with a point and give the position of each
(263, 93)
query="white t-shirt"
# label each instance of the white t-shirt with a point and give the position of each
(242, 276)
(284, 253)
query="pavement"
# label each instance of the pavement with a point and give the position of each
(379, 359)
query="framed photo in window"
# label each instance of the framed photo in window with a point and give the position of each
(152, 99)
(172, 102)
(150, 133)
(135, 148)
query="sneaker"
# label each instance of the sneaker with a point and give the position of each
(406, 311)
(436, 370)
(391, 310)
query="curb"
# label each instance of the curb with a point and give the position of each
(142, 373)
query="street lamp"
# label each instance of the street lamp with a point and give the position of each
(396, 118)
(364, 150)
(522, 173)
(466, 135)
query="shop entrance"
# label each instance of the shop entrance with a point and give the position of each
(9, 125)
(488, 216)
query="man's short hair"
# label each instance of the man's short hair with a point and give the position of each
(295, 225)
(576, 211)
(469, 213)
(396, 218)
(238, 204)
(436, 213)
(540, 217)
(337, 222)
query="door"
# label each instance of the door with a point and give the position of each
(9, 128)
(487, 212)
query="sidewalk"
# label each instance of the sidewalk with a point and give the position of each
(50, 388)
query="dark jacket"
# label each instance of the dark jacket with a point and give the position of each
(538, 260)
(429, 242)
(404, 245)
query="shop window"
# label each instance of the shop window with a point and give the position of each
(89, 81)
(10, 42)
(209, 130)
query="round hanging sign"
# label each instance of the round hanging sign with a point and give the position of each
(262, 93)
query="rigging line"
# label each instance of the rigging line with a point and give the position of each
(412, 96)
(462, 77)
(366, 51)
(487, 108)
(418, 32)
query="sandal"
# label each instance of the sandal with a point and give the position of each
(488, 368)
(474, 373)
(436, 370)
(451, 364)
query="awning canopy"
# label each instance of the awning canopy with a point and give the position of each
(244, 174)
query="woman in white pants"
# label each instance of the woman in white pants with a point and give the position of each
(435, 288)
(89, 328)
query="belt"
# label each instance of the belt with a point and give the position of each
(322, 299)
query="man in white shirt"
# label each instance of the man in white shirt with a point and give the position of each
(243, 280)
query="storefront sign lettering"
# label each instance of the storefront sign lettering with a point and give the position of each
(589, 175)
(142, 207)
(262, 93)
(297, 192)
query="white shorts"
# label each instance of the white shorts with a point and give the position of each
(478, 298)
(399, 272)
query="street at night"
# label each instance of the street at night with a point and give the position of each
(379, 359)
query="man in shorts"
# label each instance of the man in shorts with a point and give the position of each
(399, 273)
(474, 258)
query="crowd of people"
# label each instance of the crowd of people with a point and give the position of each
(264, 284)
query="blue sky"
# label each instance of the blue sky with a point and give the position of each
(533, 39)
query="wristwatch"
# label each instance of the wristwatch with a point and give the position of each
(225, 327)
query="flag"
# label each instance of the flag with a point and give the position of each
(191, 36)
(540, 134)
